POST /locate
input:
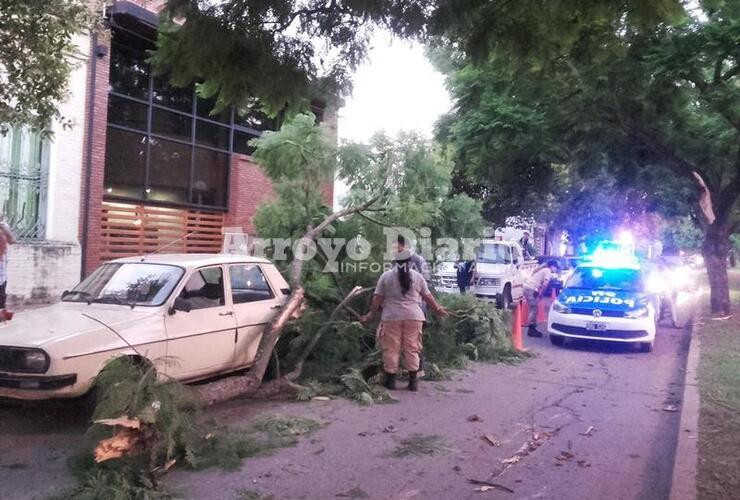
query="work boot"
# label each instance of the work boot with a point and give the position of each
(390, 381)
(533, 332)
(413, 383)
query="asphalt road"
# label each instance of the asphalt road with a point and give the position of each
(604, 418)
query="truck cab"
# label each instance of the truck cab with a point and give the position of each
(500, 270)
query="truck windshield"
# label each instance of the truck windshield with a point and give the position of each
(494, 253)
(598, 278)
(127, 283)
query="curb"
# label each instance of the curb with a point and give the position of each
(685, 465)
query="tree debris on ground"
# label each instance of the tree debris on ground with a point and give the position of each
(142, 427)
(538, 439)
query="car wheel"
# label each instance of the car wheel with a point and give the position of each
(503, 301)
(646, 346)
(557, 340)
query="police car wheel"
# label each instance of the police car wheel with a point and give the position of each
(646, 346)
(557, 340)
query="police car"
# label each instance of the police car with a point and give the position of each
(605, 302)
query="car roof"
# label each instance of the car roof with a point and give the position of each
(194, 259)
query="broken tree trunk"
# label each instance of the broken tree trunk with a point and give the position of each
(232, 387)
(250, 383)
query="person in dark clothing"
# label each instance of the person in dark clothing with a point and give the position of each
(464, 275)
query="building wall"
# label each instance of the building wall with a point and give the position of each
(249, 187)
(92, 189)
(39, 270)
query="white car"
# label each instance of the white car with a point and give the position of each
(605, 303)
(202, 313)
(445, 278)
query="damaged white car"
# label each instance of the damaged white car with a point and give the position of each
(204, 314)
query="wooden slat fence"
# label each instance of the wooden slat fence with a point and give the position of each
(133, 229)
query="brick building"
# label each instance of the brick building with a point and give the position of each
(144, 167)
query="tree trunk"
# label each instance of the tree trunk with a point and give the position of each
(715, 249)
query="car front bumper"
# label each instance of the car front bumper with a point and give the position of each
(617, 329)
(24, 386)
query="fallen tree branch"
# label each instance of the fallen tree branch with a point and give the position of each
(233, 387)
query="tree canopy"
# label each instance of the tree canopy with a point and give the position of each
(629, 96)
(35, 63)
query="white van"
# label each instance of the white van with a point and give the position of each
(500, 270)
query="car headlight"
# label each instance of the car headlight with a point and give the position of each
(640, 312)
(561, 308)
(23, 360)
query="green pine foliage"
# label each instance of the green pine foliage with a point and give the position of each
(36, 58)
(173, 434)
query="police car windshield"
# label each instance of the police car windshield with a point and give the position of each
(494, 253)
(599, 278)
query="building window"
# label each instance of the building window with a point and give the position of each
(163, 143)
(23, 167)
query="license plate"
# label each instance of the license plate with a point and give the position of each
(595, 326)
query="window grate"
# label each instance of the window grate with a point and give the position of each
(23, 175)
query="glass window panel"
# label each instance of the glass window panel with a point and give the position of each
(248, 284)
(126, 112)
(210, 177)
(129, 71)
(204, 289)
(209, 134)
(173, 97)
(171, 124)
(125, 161)
(241, 143)
(169, 171)
(205, 106)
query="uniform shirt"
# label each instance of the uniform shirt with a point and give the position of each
(538, 279)
(396, 305)
(419, 264)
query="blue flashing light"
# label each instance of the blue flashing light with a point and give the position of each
(612, 257)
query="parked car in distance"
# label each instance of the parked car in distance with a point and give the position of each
(444, 278)
(203, 313)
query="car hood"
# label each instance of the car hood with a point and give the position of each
(488, 269)
(606, 300)
(44, 325)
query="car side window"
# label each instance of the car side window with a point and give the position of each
(248, 284)
(205, 288)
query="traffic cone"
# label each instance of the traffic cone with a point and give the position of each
(541, 312)
(516, 328)
(524, 313)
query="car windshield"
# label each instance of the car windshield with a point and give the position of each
(599, 278)
(494, 253)
(127, 283)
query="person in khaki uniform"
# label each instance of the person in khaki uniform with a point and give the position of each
(534, 287)
(400, 291)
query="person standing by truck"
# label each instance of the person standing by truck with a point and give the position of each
(534, 286)
(527, 246)
(465, 275)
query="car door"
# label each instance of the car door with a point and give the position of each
(255, 303)
(202, 341)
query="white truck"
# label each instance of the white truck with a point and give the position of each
(500, 271)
